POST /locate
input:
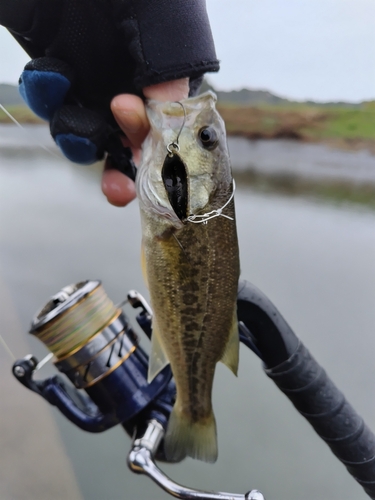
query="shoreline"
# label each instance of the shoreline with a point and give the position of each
(292, 167)
(345, 144)
(341, 127)
(355, 144)
(304, 168)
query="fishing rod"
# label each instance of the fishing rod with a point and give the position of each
(94, 345)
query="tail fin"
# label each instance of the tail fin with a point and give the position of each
(187, 438)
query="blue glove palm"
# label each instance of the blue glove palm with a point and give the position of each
(47, 86)
(44, 85)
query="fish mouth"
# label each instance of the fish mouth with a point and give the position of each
(175, 180)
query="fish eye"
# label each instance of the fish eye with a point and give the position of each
(208, 137)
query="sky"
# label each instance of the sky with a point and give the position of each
(302, 49)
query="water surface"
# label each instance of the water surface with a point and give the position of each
(316, 263)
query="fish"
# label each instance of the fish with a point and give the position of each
(190, 261)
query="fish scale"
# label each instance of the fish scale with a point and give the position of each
(215, 274)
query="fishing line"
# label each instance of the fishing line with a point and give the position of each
(16, 122)
(13, 357)
(44, 361)
(7, 348)
(204, 218)
(120, 305)
(179, 243)
(174, 144)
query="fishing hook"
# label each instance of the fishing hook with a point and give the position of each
(174, 144)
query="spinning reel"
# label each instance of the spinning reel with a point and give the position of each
(95, 347)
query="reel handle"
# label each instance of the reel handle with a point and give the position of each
(141, 461)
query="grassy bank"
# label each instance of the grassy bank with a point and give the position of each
(353, 127)
(344, 126)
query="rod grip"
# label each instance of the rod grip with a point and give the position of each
(317, 398)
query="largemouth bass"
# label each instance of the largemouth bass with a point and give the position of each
(191, 261)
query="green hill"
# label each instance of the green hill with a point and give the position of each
(245, 97)
(249, 97)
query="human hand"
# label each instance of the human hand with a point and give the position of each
(129, 111)
(85, 53)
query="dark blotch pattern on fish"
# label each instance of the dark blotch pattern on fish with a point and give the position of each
(195, 310)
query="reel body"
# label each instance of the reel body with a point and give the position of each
(107, 366)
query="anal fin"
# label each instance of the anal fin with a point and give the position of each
(232, 351)
(158, 357)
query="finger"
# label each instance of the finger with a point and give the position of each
(168, 91)
(129, 112)
(80, 133)
(136, 151)
(117, 187)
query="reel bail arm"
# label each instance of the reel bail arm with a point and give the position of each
(86, 416)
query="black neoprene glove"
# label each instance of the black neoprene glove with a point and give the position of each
(85, 52)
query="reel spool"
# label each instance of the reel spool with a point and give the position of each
(88, 335)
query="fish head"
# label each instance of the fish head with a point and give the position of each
(185, 161)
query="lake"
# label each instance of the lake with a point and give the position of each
(315, 261)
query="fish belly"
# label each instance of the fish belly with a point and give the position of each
(192, 276)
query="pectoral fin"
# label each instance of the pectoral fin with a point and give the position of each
(231, 355)
(158, 358)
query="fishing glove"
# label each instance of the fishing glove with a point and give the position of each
(85, 52)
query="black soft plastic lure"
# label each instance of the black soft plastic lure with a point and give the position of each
(176, 184)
